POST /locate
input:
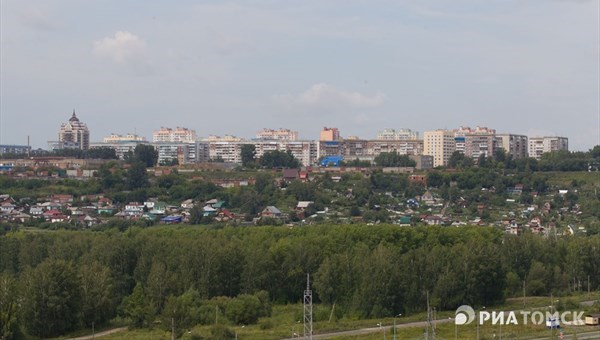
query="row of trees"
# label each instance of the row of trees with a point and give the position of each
(95, 153)
(551, 161)
(270, 159)
(68, 279)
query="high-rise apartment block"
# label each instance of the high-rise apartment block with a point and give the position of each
(475, 142)
(177, 135)
(329, 134)
(73, 134)
(402, 134)
(514, 145)
(281, 134)
(130, 137)
(540, 145)
(367, 150)
(440, 144)
(231, 151)
(123, 145)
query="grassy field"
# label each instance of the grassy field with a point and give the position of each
(286, 320)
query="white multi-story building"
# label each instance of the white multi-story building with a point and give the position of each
(121, 148)
(169, 152)
(130, 137)
(281, 134)
(122, 144)
(514, 145)
(15, 149)
(367, 150)
(402, 134)
(177, 135)
(226, 138)
(73, 134)
(540, 145)
(231, 152)
(473, 139)
(228, 152)
(440, 144)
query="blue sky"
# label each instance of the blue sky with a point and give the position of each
(234, 67)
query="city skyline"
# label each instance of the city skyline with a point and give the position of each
(221, 68)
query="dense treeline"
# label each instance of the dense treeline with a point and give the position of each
(51, 283)
(95, 153)
(562, 160)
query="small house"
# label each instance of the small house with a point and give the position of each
(592, 319)
(271, 211)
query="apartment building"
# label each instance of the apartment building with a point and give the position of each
(514, 145)
(402, 147)
(168, 152)
(73, 134)
(281, 134)
(15, 149)
(122, 144)
(402, 134)
(440, 144)
(475, 142)
(230, 151)
(121, 148)
(540, 145)
(367, 150)
(129, 137)
(177, 135)
(477, 145)
(330, 134)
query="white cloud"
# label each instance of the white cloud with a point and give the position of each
(327, 96)
(124, 48)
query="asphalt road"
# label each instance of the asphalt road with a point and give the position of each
(388, 329)
(97, 335)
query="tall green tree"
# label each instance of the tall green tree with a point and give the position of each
(146, 154)
(97, 293)
(102, 153)
(279, 159)
(459, 160)
(137, 176)
(138, 308)
(52, 299)
(248, 154)
(394, 159)
(9, 307)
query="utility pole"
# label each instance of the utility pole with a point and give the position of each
(308, 316)
(430, 328)
(588, 286)
(172, 328)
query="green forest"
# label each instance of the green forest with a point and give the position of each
(55, 282)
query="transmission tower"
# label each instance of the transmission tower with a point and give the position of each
(308, 317)
(430, 327)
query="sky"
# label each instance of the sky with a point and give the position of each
(234, 67)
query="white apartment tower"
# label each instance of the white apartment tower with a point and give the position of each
(540, 145)
(177, 135)
(281, 134)
(402, 134)
(440, 144)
